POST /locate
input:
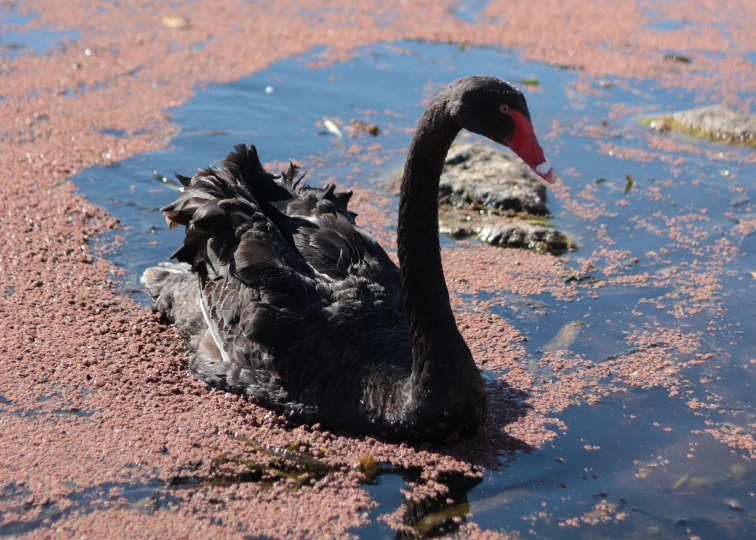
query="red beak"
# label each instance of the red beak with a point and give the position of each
(525, 145)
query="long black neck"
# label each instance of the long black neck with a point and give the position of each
(436, 342)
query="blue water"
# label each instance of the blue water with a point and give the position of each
(282, 124)
(639, 468)
(470, 10)
(16, 41)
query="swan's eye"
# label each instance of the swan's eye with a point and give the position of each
(504, 109)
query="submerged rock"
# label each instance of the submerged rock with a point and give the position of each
(479, 177)
(715, 122)
(503, 231)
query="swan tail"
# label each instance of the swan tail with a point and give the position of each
(243, 224)
(215, 203)
(223, 203)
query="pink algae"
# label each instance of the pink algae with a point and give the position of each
(93, 388)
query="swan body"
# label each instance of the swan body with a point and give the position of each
(285, 299)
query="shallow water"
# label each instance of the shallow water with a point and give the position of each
(16, 41)
(644, 473)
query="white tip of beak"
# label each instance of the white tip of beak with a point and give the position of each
(547, 172)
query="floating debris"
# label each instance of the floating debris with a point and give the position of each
(564, 338)
(289, 453)
(630, 183)
(165, 180)
(740, 201)
(432, 521)
(677, 484)
(368, 465)
(530, 81)
(360, 126)
(333, 128)
(176, 21)
(678, 58)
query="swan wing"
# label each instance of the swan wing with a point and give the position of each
(284, 280)
(312, 228)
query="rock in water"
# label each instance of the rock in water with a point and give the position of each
(479, 177)
(716, 122)
(487, 194)
(503, 231)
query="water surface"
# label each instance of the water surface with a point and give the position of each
(674, 483)
(15, 40)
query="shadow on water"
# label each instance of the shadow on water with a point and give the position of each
(614, 466)
(430, 517)
(145, 498)
(425, 517)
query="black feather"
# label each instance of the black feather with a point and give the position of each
(301, 177)
(210, 215)
(285, 282)
(185, 180)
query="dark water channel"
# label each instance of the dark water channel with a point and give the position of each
(641, 471)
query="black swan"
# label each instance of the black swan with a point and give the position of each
(285, 299)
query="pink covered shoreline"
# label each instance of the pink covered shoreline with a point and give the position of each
(93, 390)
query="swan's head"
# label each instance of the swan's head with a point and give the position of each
(495, 109)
